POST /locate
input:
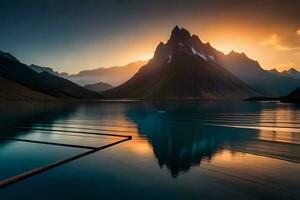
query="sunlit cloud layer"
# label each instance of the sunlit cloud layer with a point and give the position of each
(284, 43)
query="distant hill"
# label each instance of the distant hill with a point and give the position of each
(8, 56)
(183, 68)
(112, 75)
(249, 71)
(46, 83)
(14, 91)
(293, 97)
(291, 73)
(98, 87)
(40, 69)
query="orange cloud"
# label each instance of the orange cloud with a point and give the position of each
(298, 31)
(272, 40)
(283, 43)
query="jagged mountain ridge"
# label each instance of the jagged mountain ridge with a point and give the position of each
(251, 72)
(40, 69)
(290, 73)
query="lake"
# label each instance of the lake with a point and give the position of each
(178, 150)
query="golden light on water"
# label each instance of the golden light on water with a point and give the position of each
(140, 147)
(278, 126)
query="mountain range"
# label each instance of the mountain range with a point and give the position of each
(266, 83)
(249, 71)
(114, 76)
(290, 73)
(21, 82)
(182, 68)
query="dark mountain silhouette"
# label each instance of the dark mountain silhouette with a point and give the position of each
(14, 91)
(274, 71)
(8, 56)
(250, 72)
(291, 73)
(98, 87)
(183, 68)
(293, 97)
(40, 69)
(44, 82)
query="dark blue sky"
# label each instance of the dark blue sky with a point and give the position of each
(71, 35)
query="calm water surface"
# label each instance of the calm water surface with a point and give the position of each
(179, 150)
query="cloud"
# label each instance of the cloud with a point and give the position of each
(283, 42)
(273, 40)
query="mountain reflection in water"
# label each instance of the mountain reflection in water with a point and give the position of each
(182, 137)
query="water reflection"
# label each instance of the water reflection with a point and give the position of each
(179, 143)
(179, 135)
(183, 135)
(17, 157)
(29, 114)
(179, 150)
(283, 124)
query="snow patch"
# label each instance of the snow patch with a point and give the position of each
(170, 58)
(198, 54)
(212, 58)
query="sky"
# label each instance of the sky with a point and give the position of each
(72, 35)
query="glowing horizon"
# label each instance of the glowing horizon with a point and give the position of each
(113, 33)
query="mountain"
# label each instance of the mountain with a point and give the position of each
(113, 75)
(98, 87)
(293, 97)
(40, 69)
(183, 68)
(8, 56)
(13, 91)
(291, 73)
(60, 87)
(274, 71)
(249, 71)
(46, 83)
